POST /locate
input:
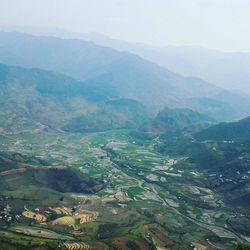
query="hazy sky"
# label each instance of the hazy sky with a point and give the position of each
(221, 24)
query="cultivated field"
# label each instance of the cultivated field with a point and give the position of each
(35, 216)
(76, 246)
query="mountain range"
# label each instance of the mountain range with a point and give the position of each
(229, 70)
(225, 69)
(113, 75)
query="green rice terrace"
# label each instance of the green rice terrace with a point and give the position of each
(109, 190)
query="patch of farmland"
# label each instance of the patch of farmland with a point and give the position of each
(199, 246)
(172, 174)
(35, 216)
(84, 197)
(85, 217)
(62, 210)
(65, 220)
(161, 168)
(76, 246)
(40, 232)
(13, 171)
(152, 177)
(171, 203)
(147, 195)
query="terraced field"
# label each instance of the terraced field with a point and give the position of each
(76, 246)
(65, 220)
(35, 216)
(85, 217)
(40, 232)
(62, 210)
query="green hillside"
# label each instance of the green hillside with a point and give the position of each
(170, 122)
(121, 113)
(239, 131)
(32, 98)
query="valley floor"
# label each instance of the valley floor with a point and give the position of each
(141, 199)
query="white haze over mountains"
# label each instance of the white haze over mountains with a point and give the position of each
(229, 70)
(179, 30)
(215, 24)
